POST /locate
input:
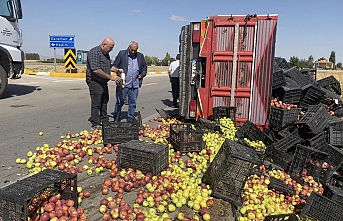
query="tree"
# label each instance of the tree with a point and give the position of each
(32, 56)
(322, 58)
(310, 61)
(333, 59)
(294, 61)
(165, 60)
(339, 65)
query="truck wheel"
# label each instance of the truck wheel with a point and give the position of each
(3, 81)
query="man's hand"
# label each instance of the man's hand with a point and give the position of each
(115, 78)
(120, 70)
(139, 77)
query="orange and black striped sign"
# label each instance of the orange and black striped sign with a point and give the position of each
(69, 58)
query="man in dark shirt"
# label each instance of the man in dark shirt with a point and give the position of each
(133, 66)
(98, 73)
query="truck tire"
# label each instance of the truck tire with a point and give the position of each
(3, 81)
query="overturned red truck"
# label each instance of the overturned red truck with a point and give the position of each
(227, 60)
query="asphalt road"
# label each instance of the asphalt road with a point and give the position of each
(57, 106)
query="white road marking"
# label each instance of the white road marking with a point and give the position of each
(149, 84)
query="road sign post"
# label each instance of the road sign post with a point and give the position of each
(61, 41)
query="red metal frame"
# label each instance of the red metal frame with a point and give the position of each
(254, 66)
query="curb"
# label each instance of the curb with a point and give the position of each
(75, 75)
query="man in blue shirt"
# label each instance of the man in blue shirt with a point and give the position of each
(133, 65)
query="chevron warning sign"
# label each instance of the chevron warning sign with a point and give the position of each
(69, 58)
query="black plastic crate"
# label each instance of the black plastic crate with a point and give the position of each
(146, 157)
(278, 157)
(281, 63)
(287, 95)
(278, 79)
(315, 119)
(280, 186)
(311, 96)
(162, 113)
(120, 132)
(321, 208)
(298, 77)
(335, 120)
(317, 141)
(330, 98)
(336, 134)
(185, 139)
(229, 171)
(25, 196)
(335, 155)
(288, 142)
(224, 111)
(253, 133)
(282, 217)
(333, 193)
(207, 125)
(330, 83)
(309, 160)
(286, 131)
(280, 117)
(339, 112)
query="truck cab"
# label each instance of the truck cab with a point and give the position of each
(227, 60)
(11, 55)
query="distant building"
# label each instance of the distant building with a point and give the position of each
(323, 64)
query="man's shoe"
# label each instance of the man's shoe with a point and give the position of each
(96, 127)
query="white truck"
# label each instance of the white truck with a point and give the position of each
(11, 56)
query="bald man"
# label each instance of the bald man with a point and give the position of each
(98, 73)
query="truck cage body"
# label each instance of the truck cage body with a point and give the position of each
(227, 60)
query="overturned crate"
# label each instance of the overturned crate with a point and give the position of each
(25, 196)
(282, 217)
(311, 95)
(207, 125)
(315, 120)
(280, 117)
(289, 93)
(253, 133)
(330, 83)
(146, 157)
(229, 171)
(336, 134)
(224, 111)
(333, 193)
(321, 208)
(308, 162)
(120, 132)
(186, 139)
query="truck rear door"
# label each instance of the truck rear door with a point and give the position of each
(239, 52)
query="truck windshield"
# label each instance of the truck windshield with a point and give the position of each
(6, 9)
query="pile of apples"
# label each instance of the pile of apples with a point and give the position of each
(276, 103)
(57, 209)
(257, 144)
(259, 200)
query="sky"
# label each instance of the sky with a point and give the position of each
(305, 27)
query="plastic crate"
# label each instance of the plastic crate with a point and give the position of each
(298, 77)
(331, 83)
(317, 141)
(286, 131)
(162, 113)
(185, 139)
(224, 111)
(280, 117)
(229, 171)
(287, 95)
(146, 157)
(336, 134)
(335, 155)
(24, 196)
(278, 78)
(288, 142)
(339, 112)
(282, 217)
(120, 132)
(280, 186)
(333, 193)
(253, 133)
(321, 208)
(330, 98)
(207, 125)
(278, 157)
(315, 119)
(312, 95)
(309, 160)
(281, 63)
